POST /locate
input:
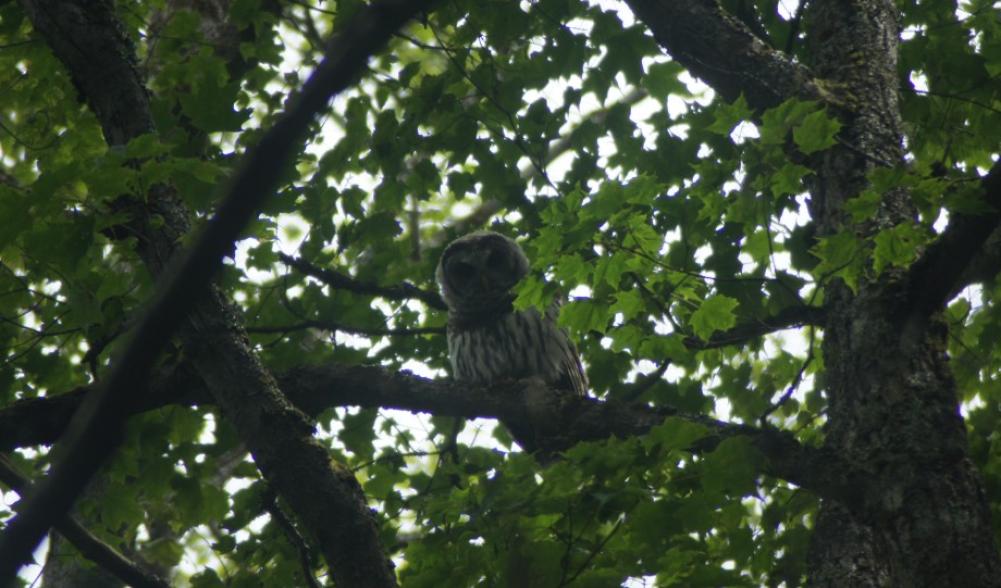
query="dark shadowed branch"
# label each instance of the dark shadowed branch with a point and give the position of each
(569, 420)
(793, 316)
(942, 269)
(334, 326)
(784, 319)
(86, 542)
(335, 279)
(722, 51)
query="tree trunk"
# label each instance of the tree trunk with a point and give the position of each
(893, 411)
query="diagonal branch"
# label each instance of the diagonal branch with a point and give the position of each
(86, 542)
(89, 36)
(722, 51)
(335, 279)
(942, 269)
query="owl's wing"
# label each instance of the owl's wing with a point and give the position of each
(574, 369)
(574, 376)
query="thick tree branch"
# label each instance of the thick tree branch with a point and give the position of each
(563, 422)
(87, 543)
(722, 51)
(984, 267)
(334, 279)
(88, 39)
(41, 421)
(941, 271)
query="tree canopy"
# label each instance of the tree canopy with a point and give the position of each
(772, 225)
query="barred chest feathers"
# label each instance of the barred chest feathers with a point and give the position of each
(518, 344)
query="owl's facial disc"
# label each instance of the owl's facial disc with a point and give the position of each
(481, 272)
(462, 271)
(497, 270)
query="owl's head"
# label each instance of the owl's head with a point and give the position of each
(476, 272)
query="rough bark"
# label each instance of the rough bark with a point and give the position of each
(721, 50)
(893, 410)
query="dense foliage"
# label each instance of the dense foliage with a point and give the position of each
(673, 220)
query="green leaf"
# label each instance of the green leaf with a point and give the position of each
(732, 467)
(584, 315)
(730, 115)
(661, 80)
(816, 133)
(897, 246)
(610, 268)
(778, 121)
(533, 293)
(714, 314)
(207, 578)
(788, 179)
(118, 506)
(675, 434)
(840, 255)
(630, 303)
(145, 146)
(758, 246)
(63, 243)
(863, 206)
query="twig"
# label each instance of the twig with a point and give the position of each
(333, 326)
(645, 382)
(334, 279)
(293, 535)
(796, 381)
(594, 553)
(793, 316)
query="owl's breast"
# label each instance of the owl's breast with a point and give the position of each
(516, 344)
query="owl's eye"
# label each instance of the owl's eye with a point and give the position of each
(495, 260)
(463, 270)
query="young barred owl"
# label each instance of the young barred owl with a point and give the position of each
(488, 340)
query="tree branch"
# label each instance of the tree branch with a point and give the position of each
(334, 279)
(945, 265)
(333, 326)
(564, 421)
(792, 316)
(86, 542)
(294, 537)
(89, 37)
(722, 51)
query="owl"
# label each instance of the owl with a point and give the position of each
(488, 340)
